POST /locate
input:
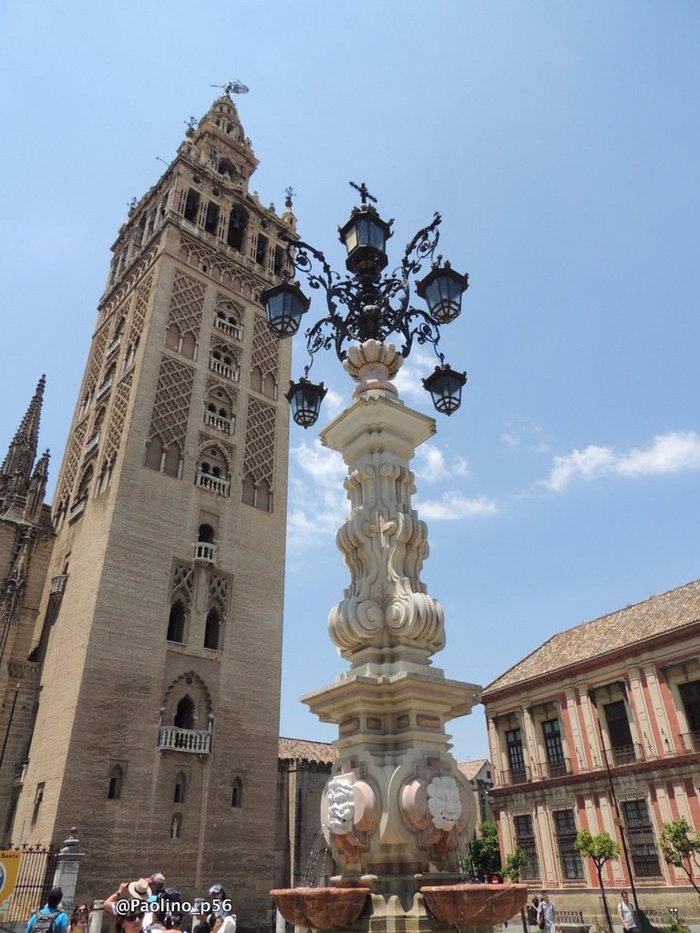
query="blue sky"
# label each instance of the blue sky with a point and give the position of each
(560, 143)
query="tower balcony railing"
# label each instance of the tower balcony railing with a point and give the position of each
(219, 422)
(58, 584)
(205, 552)
(114, 346)
(77, 509)
(215, 484)
(222, 369)
(194, 741)
(93, 442)
(104, 388)
(226, 327)
(691, 741)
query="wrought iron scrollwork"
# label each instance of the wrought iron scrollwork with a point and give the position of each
(371, 309)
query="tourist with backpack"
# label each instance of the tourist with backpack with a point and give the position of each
(50, 919)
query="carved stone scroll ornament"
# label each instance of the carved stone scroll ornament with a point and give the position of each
(384, 544)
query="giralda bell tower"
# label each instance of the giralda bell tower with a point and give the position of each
(157, 725)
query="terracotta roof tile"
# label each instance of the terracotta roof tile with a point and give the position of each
(470, 769)
(654, 616)
(304, 750)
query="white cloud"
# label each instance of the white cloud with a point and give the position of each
(408, 379)
(667, 453)
(453, 505)
(317, 501)
(430, 464)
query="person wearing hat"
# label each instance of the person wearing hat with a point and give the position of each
(156, 882)
(129, 891)
(221, 920)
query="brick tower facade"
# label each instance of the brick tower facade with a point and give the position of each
(157, 727)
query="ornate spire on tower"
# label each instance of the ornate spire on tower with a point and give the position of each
(16, 470)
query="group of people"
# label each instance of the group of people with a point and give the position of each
(144, 905)
(542, 913)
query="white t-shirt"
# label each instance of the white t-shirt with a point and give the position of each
(626, 914)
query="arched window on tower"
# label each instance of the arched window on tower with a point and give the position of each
(192, 205)
(180, 787)
(227, 168)
(261, 250)
(212, 630)
(237, 793)
(184, 714)
(237, 224)
(176, 826)
(176, 622)
(116, 776)
(83, 490)
(211, 219)
(206, 534)
(172, 465)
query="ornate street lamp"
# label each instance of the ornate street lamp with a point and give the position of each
(367, 305)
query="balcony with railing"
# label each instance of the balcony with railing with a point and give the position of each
(194, 741)
(205, 553)
(104, 388)
(625, 754)
(557, 768)
(691, 741)
(114, 346)
(516, 776)
(219, 422)
(58, 584)
(228, 328)
(93, 442)
(77, 509)
(215, 484)
(224, 369)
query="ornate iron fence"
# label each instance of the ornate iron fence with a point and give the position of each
(34, 880)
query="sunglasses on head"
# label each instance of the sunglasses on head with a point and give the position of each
(131, 917)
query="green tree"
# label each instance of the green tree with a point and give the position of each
(483, 858)
(601, 849)
(680, 846)
(515, 862)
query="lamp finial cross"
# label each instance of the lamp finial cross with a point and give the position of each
(364, 192)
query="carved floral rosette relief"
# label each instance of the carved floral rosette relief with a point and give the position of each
(349, 812)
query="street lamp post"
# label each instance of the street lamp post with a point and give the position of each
(396, 812)
(367, 305)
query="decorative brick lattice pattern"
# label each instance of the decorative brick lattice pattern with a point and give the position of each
(117, 417)
(95, 364)
(172, 405)
(72, 461)
(129, 282)
(140, 307)
(186, 304)
(218, 591)
(266, 349)
(258, 460)
(231, 274)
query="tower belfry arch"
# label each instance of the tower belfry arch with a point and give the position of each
(166, 426)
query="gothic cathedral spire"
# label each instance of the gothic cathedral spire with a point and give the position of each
(16, 470)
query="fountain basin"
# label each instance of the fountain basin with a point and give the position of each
(474, 905)
(320, 908)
